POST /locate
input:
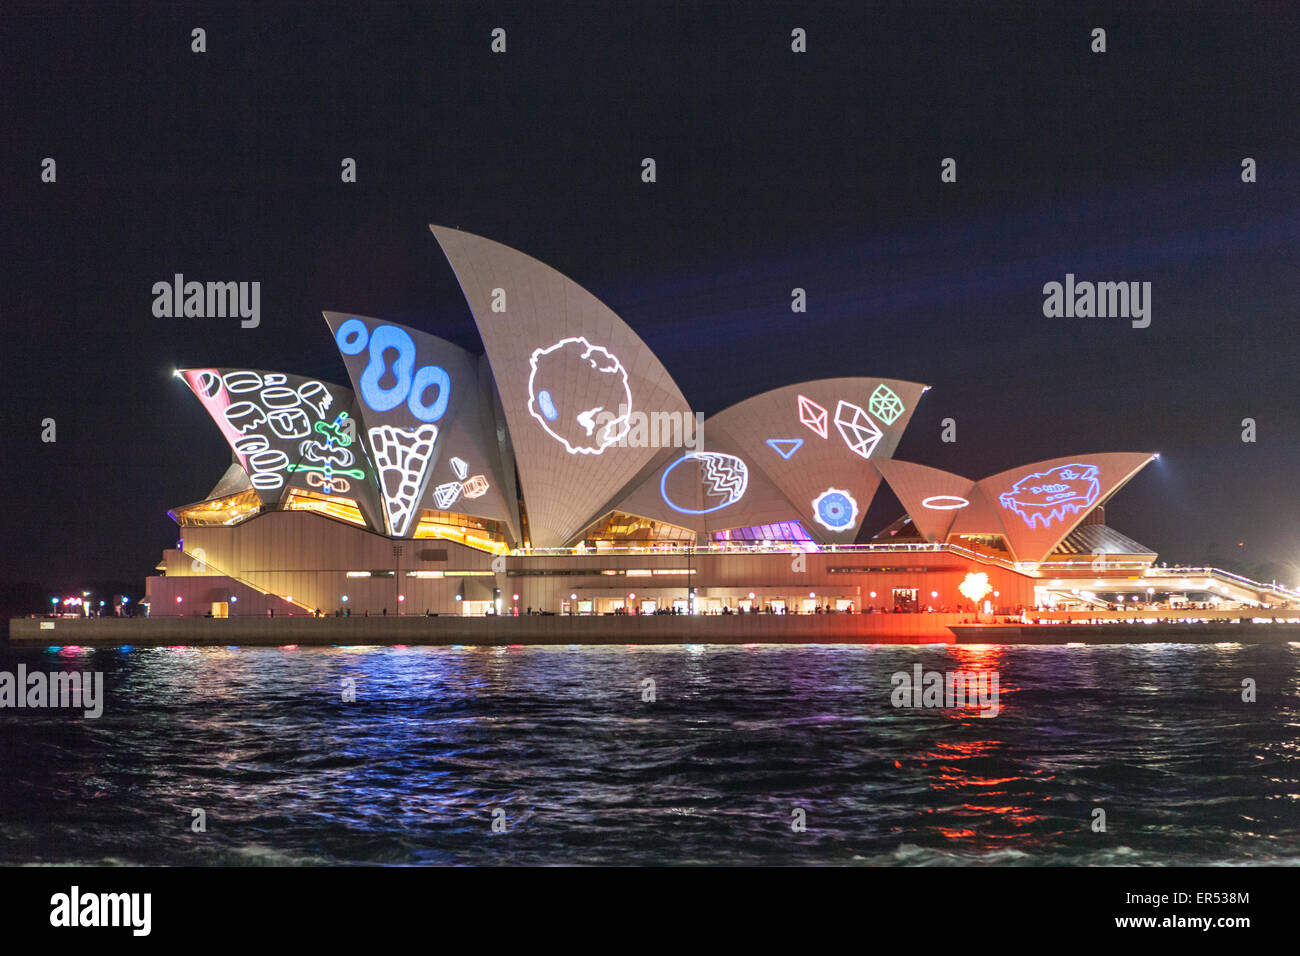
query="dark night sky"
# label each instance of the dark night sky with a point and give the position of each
(775, 170)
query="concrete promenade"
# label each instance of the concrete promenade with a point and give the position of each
(652, 629)
(489, 631)
(1215, 632)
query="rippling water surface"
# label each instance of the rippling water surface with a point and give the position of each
(711, 771)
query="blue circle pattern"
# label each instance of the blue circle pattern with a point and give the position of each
(353, 336)
(836, 511)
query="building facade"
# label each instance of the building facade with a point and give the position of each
(563, 471)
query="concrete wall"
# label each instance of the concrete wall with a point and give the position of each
(307, 557)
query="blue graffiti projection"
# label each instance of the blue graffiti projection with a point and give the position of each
(1047, 496)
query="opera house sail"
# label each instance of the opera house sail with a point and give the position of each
(564, 471)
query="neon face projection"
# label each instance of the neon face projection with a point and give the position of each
(573, 366)
(835, 510)
(327, 464)
(724, 479)
(1048, 496)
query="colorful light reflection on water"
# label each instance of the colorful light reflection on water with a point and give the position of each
(587, 770)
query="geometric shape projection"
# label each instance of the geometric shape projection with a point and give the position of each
(460, 467)
(860, 433)
(444, 496)
(475, 487)
(813, 415)
(945, 502)
(785, 447)
(746, 429)
(402, 456)
(885, 404)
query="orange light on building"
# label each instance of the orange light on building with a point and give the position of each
(975, 586)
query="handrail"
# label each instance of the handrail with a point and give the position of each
(1042, 569)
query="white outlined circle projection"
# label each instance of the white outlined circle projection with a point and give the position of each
(944, 502)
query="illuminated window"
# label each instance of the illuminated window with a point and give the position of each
(331, 506)
(219, 512)
(982, 542)
(625, 529)
(481, 534)
(780, 531)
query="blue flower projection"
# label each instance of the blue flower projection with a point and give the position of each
(835, 510)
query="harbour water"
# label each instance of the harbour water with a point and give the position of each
(579, 759)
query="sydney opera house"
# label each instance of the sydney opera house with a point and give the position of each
(563, 471)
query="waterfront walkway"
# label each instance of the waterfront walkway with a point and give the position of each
(1093, 626)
